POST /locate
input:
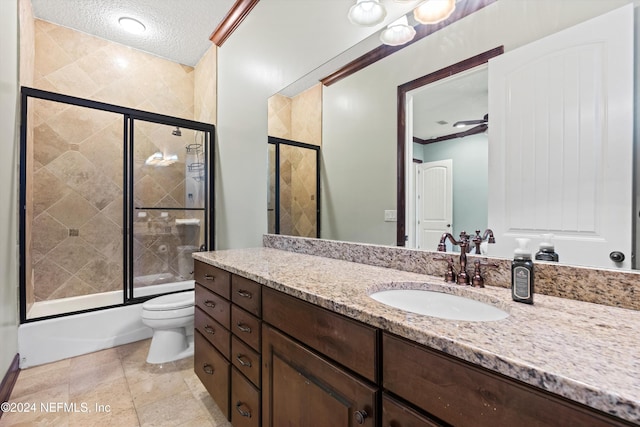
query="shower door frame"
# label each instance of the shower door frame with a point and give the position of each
(277, 142)
(129, 116)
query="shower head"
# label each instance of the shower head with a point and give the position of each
(176, 132)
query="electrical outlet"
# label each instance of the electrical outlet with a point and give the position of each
(390, 215)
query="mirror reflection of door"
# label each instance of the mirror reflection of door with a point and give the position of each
(435, 109)
(434, 202)
(561, 112)
(293, 205)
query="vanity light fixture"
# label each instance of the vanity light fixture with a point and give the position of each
(132, 25)
(367, 13)
(434, 11)
(398, 32)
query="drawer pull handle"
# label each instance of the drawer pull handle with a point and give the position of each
(360, 416)
(245, 294)
(209, 277)
(244, 328)
(209, 330)
(210, 303)
(241, 412)
(240, 359)
(207, 369)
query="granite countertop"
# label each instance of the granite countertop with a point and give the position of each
(583, 351)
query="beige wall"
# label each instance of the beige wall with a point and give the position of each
(9, 137)
(205, 82)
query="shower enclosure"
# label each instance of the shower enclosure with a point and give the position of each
(293, 204)
(114, 201)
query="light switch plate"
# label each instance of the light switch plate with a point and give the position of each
(390, 215)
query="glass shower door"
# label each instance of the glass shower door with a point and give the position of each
(293, 188)
(72, 192)
(169, 213)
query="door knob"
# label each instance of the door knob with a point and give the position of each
(616, 256)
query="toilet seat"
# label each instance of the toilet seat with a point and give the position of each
(170, 302)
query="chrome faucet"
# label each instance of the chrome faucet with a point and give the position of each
(463, 276)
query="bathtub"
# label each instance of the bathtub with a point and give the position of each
(50, 340)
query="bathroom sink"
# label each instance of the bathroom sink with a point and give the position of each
(439, 304)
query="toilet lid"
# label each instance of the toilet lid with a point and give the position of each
(170, 302)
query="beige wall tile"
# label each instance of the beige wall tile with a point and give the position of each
(73, 211)
(49, 55)
(82, 149)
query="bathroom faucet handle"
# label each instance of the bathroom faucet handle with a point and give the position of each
(450, 275)
(477, 281)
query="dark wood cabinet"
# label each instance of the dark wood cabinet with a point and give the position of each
(213, 278)
(246, 326)
(213, 370)
(228, 330)
(214, 305)
(397, 414)
(213, 331)
(247, 294)
(245, 401)
(348, 342)
(303, 389)
(462, 394)
(271, 359)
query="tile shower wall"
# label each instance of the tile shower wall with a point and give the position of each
(297, 191)
(77, 160)
(298, 119)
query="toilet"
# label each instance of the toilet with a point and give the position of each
(171, 318)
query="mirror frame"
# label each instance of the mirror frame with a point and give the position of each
(403, 89)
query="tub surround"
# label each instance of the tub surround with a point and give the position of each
(600, 286)
(585, 352)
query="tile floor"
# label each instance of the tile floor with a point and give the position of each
(113, 387)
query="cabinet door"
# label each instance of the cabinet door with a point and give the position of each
(302, 389)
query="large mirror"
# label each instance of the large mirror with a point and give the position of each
(359, 114)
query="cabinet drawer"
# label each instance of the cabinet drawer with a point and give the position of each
(247, 294)
(245, 402)
(396, 414)
(213, 371)
(212, 278)
(214, 305)
(246, 360)
(346, 341)
(246, 327)
(461, 394)
(213, 332)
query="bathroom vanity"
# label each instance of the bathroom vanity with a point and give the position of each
(325, 353)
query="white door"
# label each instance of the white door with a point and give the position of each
(560, 142)
(434, 202)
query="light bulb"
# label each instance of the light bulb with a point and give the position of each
(434, 11)
(367, 13)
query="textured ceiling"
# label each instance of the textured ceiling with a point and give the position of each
(178, 30)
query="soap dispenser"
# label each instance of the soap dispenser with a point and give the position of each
(522, 273)
(547, 250)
